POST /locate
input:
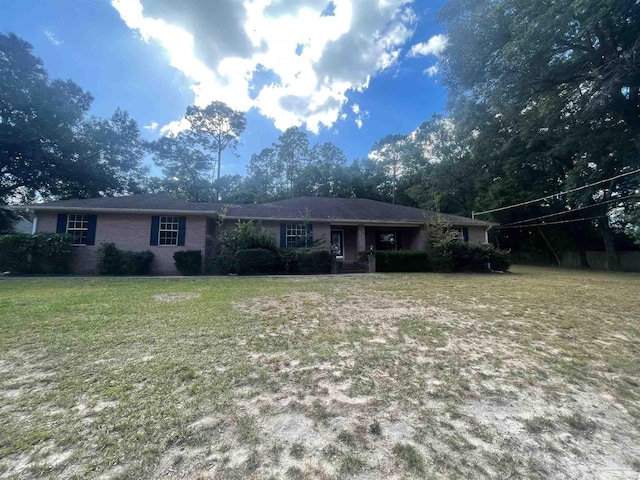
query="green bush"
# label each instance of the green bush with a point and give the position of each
(250, 235)
(402, 261)
(256, 261)
(459, 256)
(113, 261)
(223, 263)
(288, 260)
(136, 263)
(109, 259)
(43, 253)
(313, 260)
(188, 262)
(499, 260)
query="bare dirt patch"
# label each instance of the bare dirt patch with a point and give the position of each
(176, 297)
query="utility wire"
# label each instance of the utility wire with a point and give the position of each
(555, 195)
(549, 223)
(564, 212)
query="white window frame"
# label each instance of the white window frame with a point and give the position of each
(78, 226)
(294, 232)
(171, 225)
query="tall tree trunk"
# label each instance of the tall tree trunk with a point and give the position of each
(612, 259)
(219, 157)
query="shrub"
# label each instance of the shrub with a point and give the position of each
(254, 261)
(34, 254)
(113, 261)
(499, 260)
(136, 263)
(250, 235)
(305, 260)
(313, 260)
(109, 259)
(289, 260)
(223, 263)
(402, 261)
(459, 256)
(188, 262)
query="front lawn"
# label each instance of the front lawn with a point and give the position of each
(534, 374)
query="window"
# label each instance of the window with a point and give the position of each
(388, 237)
(168, 231)
(297, 235)
(78, 228)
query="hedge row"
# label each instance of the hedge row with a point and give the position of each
(455, 256)
(44, 253)
(260, 261)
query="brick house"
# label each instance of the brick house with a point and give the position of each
(164, 224)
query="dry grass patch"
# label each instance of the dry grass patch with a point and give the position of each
(528, 375)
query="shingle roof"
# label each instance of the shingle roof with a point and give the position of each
(345, 209)
(147, 201)
(313, 208)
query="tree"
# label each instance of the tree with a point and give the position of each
(399, 155)
(234, 189)
(443, 176)
(550, 97)
(293, 155)
(47, 147)
(325, 174)
(218, 127)
(266, 175)
(184, 167)
(275, 172)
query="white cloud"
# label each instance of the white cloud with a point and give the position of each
(434, 46)
(52, 38)
(152, 126)
(220, 44)
(359, 113)
(173, 128)
(432, 70)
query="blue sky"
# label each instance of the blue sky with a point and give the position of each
(349, 78)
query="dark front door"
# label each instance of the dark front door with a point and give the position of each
(337, 243)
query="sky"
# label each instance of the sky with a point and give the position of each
(347, 71)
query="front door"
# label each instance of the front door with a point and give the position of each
(337, 243)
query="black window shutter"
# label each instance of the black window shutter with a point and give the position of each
(465, 234)
(62, 223)
(155, 227)
(91, 232)
(309, 235)
(182, 230)
(283, 235)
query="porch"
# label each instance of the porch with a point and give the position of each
(347, 240)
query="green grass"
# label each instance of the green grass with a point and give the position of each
(107, 377)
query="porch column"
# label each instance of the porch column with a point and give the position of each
(362, 241)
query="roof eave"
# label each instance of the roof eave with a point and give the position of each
(52, 208)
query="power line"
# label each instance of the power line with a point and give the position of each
(555, 195)
(613, 200)
(550, 223)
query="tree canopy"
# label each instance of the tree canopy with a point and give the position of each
(48, 146)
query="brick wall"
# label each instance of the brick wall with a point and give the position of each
(130, 232)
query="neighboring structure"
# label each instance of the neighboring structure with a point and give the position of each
(23, 225)
(164, 225)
